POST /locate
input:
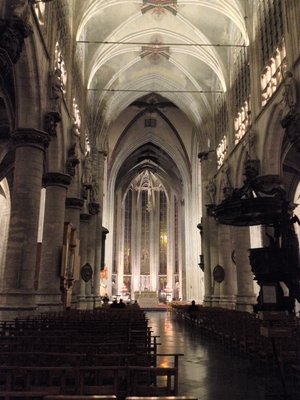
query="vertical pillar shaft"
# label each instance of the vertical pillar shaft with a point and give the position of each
(22, 242)
(84, 234)
(245, 288)
(100, 159)
(72, 215)
(91, 250)
(21, 254)
(228, 286)
(49, 275)
(73, 208)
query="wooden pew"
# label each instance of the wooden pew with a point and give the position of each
(80, 397)
(161, 398)
(152, 381)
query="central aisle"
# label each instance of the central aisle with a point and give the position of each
(207, 371)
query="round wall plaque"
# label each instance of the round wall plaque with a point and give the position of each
(86, 272)
(219, 274)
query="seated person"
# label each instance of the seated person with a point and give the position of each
(193, 310)
(121, 304)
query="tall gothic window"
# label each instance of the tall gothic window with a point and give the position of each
(145, 235)
(221, 117)
(163, 234)
(272, 46)
(222, 151)
(241, 94)
(60, 67)
(176, 242)
(127, 233)
(76, 118)
(39, 9)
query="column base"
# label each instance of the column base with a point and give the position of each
(81, 303)
(227, 301)
(49, 302)
(90, 302)
(245, 302)
(17, 304)
(207, 301)
(97, 302)
(215, 301)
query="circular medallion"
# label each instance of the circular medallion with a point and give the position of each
(86, 272)
(219, 274)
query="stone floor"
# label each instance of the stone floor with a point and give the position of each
(207, 370)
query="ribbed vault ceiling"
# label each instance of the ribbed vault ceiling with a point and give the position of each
(133, 47)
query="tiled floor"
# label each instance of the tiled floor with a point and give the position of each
(208, 371)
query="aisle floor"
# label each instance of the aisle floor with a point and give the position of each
(207, 370)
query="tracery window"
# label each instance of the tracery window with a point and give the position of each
(59, 66)
(176, 241)
(39, 9)
(145, 235)
(272, 47)
(76, 118)
(127, 233)
(241, 94)
(222, 151)
(221, 117)
(241, 122)
(163, 234)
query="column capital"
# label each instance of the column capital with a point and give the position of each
(74, 202)
(94, 208)
(56, 179)
(26, 137)
(13, 31)
(85, 217)
(104, 153)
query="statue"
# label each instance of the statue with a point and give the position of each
(289, 96)
(51, 120)
(211, 190)
(225, 182)
(57, 88)
(87, 176)
(72, 160)
(95, 191)
(20, 9)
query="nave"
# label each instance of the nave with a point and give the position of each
(207, 370)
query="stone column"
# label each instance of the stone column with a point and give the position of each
(73, 208)
(207, 226)
(228, 285)
(100, 159)
(97, 264)
(91, 253)
(245, 290)
(84, 233)
(72, 214)
(18, 280)
(212, 295)
(56, 185)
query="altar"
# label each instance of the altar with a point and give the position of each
(146, 298)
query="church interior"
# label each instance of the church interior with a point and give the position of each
(149, 156)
